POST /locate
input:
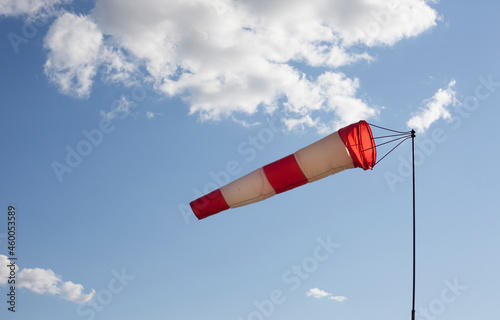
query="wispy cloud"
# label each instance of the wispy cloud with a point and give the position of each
(435, 108)
(244, 123)
(301, 123)
(121, 109)
(30, 8)
(320, 294)
(338, 298)
(150, 114)
(250, 51)
(45, 281)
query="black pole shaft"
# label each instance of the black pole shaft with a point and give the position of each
(413, 168)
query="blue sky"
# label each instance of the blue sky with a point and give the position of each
(115, 116)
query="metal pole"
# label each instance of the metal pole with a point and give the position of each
(413, 168)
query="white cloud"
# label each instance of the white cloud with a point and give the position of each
(317, 293)
(320, 294)
(39, 280)
(150, 115)
(74, 44)
(301, 123)
(30, 8)
(225, 57)
(76, 50)
(244, 123)
(435, 108)
(330, 93)
(45, 281)
(338, 298)
(368, 22)
(122, 108)
(74, 292)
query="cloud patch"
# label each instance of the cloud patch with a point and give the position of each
(76, 50)
(30, 8)
(317, 293)
(338, 298)
(122, 109)
(320, 294)
(74, 43)
(227, 57)
(45, 281)
(435, 108)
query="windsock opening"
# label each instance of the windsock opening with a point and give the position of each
(358, 139)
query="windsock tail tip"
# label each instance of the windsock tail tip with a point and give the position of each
(209, 204)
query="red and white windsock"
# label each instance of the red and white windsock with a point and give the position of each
(350, 147)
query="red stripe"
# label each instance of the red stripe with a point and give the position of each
(209, 204)
(285, 174)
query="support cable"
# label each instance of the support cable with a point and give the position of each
(406, 138)
(393, 135)
(372, 125)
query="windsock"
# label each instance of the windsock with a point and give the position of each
(350, 147)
